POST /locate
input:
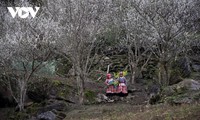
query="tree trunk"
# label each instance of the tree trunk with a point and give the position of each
(163, 73)
(80, 86)
(133, 73)
(81, 99)
(133, 77)
(80, 83)
(22, 94)
(167, 74)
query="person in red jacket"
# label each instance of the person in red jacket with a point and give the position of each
(110, 84)
(122, 88)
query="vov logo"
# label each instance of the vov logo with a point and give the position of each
(23, 12)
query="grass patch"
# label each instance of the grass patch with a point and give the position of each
(128, 112)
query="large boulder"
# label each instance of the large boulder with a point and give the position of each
(53, 110)
(186, 84)
(189, 84)
(101, 98)
(60, 106)
(49, 115)
(187, 91)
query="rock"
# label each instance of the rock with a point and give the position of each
(154, 94)
(60, 106)
(46, 116)
(168, 91)
(189, 84)
(111, 101)
(154, 98)
(55, 111)
(61, 115)
(28, 104)
(186, 84)
(196, 68)
(104, 97)
(154, 89)
(185, 92)
(106, 58)
(98, 100)
(184, 100)
(195, 85)
(101, 98)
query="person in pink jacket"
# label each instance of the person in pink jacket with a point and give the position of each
(110, 84)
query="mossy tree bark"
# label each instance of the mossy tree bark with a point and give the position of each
(163, 73)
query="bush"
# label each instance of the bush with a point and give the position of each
(39, 90)
(63, 66)
(90, 95)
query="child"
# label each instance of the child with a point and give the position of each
(110, 83)
(122, 84)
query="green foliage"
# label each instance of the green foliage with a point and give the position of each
(42, 87)
(196, 96)
(47, 69)
(116, 75)
(175, 76)
(179, 67)
(21, 116)
(171, 99)
(90, 95)
(33, 108)
(175, 72)
(181, 89)
(56, 82)
(151, 71)
(61, 89)
(63, 66)
(97, 75)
